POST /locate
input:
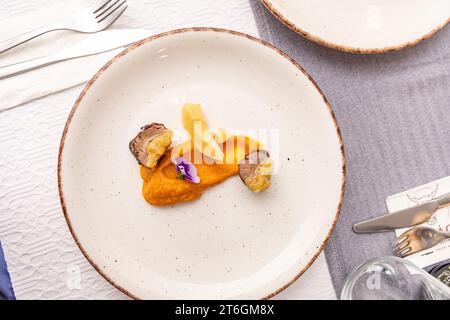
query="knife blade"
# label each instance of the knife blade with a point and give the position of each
(93, 44)
(403, 218)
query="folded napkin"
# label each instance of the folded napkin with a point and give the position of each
(394, 115)
(29, 86)
(6, 290)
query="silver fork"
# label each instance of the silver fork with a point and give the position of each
(90, 20)
(417, 239)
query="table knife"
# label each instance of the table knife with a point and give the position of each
(403, 218)
(93, 44)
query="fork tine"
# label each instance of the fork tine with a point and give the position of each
(105, 10)
(400, 240)
(116, 15)
(102, 6)
(400, 246)
(404, 252)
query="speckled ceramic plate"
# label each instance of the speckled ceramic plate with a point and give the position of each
(363, 26)
(230, 243)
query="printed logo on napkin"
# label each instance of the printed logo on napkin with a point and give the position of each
(439, 221)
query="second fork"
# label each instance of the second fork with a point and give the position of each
(417, 239)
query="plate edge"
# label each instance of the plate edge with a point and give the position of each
(343, 48)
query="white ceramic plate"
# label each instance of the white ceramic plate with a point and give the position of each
(363, 26)
(230, 243)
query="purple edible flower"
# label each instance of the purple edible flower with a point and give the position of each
(186, 170)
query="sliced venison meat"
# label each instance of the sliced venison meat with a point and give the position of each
(150, 144)
(255, 170)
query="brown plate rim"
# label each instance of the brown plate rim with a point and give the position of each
(168, 33)
(268, 4)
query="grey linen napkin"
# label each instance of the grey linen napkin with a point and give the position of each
(394, 113)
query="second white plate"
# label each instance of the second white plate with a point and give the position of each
(363, 26)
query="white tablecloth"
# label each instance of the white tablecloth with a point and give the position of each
(43, 259)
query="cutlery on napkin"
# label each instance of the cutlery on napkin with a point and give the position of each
(38, 83)
(96, 43)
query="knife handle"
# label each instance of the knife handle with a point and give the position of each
(370, 227)
(22, 67)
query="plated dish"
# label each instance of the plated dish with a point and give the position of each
(363, 26)
(219, 240)
(180, 172)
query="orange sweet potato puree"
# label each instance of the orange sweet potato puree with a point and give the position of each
(162, 187)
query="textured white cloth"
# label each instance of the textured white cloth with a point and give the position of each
(43, 259)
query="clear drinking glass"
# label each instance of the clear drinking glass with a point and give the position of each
(392, 278)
